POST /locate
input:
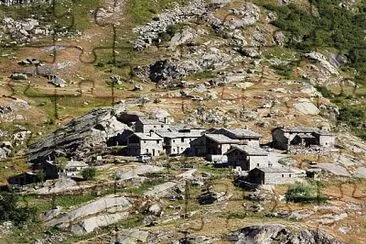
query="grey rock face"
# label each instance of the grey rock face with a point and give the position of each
(149, 33)
(248, 14)
(102, 212)
(21, 32)
(79, 136)
(280, 234)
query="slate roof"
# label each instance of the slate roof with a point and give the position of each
(146, 121)
(74, 164)
(298, 129)
(147, 136)
(269, 170)
(241, 133)
(177, 134)
(305, 136)
(251, 151)
(222, 139)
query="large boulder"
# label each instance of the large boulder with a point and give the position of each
(276, 233)
(306, 107)
(79, 136)
(85, 219)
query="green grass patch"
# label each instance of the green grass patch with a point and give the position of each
(143, 10)
(305, 193)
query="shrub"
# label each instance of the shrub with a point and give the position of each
(10, 211)
(304, 193)
(89, 173)
(324, 91)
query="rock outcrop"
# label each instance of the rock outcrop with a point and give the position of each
(18, 32)
(277, 233)
(79, 136)
(102, 212)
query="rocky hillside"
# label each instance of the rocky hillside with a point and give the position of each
(203, 63)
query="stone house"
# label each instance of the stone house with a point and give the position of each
(248, 157)
(271, 176)
(73, 168)
(144, 125)
(245, 136)
(212, 144)
(145, 143)
(178, 142)
(285, 138)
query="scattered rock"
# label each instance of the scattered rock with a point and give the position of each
(280, 233)
(57, 81)
(306, 107)
(19, 76)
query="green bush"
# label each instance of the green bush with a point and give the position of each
(352, 115)
(10, 211)
(324, 91)
(89, 173)
(332, 28)
(305, 193)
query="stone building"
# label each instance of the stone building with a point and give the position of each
(212, 144)
(245, 136)
(285, 138)
(178, 142)
(144, 125)
(248, 157)
(271, 176)
(73, 168)
(145, 143)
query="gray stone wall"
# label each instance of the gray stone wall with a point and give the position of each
(327, 141)
(279, 178)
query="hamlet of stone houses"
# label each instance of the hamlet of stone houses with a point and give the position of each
(182, 121)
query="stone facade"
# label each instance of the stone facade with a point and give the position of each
(145, 143)
(73, 168)
(176, 143)
(287, 138)
(272, 176)
(146, 125)
(245, 136)
(247, 157)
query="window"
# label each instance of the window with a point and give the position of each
(182, 139)
(147, 150)
(283, 175)
(289, 175)
(257, 165)
(173, 140)
(157, 141)
(162, 126)
(144, 141)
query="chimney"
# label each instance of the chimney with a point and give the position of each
(166, 121)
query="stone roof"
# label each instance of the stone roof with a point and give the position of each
(251, 151)
(177, 134)
(305, 136)
(147, 136)
(222, 139)
(269, 170)
(241, 133)
(299, 129)
(75, 164)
